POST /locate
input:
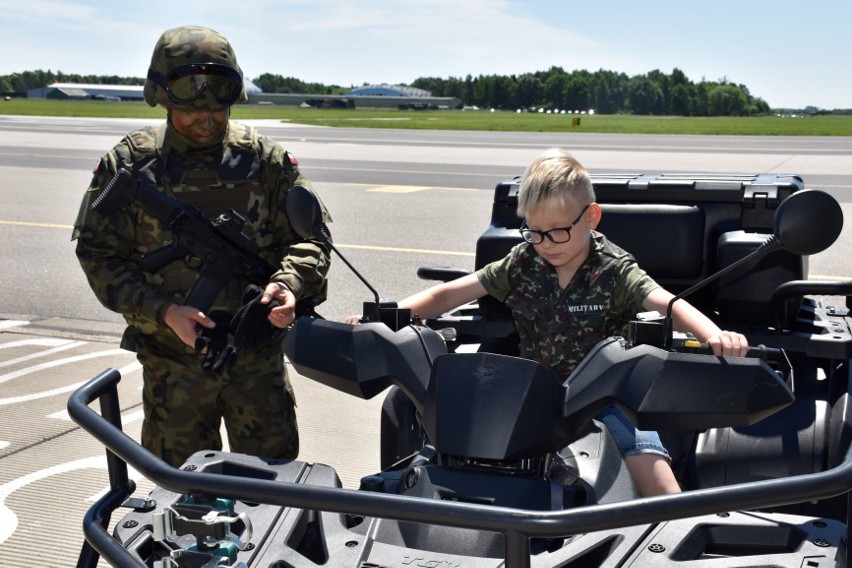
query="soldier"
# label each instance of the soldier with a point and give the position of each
(204, 160)
(568, 288)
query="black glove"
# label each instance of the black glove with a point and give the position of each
(219, 341)
(250, 326)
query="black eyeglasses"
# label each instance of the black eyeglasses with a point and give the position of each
(187, 83)
(557, 236)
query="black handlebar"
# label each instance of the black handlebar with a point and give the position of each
(688, 345)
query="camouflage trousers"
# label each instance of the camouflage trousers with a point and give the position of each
(184, 407)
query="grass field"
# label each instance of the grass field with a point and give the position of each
(466, 120)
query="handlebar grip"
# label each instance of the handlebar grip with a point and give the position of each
(766, 353)
(770, 354)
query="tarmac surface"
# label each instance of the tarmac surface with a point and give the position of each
(400, 200)
(52, 471)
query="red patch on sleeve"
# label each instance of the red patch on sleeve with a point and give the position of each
(293, 159)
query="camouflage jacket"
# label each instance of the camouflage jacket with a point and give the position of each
(558, 327)
(247, 172)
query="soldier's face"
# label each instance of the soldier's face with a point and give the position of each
(200, 128)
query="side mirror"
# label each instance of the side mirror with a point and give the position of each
(808, 222)
(305, 214)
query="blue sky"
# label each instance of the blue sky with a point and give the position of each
(791, 54)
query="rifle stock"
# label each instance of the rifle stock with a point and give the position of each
(125, 188)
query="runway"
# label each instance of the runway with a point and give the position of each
(399, 199)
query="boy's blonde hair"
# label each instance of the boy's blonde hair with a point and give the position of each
(551, 179)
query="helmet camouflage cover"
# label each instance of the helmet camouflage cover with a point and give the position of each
(190, 49)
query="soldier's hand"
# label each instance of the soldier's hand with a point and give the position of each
(216, 346)
(285, 314)
(184, 321)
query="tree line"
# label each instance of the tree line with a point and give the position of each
(605, 92)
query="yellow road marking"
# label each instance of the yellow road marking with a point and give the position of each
(30, 224)
(362, 247)
(376, 248)
(398, 249)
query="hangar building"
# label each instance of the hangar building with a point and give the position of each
(84, 91)
(372, 96)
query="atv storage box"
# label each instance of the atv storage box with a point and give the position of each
(680, 228)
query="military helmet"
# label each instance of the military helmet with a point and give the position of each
(195, 68)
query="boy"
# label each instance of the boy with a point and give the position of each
(568, 288)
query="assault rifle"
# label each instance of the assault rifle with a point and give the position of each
(221, 247)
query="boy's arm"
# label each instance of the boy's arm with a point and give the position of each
(687, 318)
(444, 297)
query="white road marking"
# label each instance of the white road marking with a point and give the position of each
(60, 390)
(60, 362)
(61, 347)
(8, 518)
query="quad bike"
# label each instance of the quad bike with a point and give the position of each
(505, 465)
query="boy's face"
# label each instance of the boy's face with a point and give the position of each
(551, 216)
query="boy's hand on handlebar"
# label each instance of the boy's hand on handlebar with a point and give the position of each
(353, 320)
(728, 344)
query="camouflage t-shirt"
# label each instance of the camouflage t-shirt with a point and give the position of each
(558, 327)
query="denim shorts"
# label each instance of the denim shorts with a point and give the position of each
(629, 440)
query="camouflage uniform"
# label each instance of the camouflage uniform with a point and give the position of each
(558, 327)
(183, 406)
